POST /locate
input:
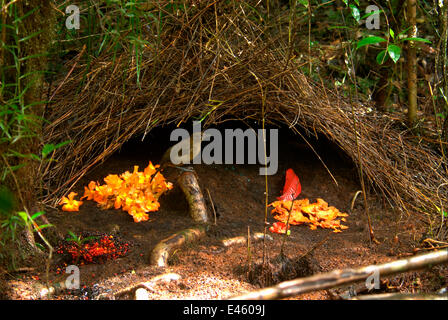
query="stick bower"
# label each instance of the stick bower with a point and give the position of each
(220, 67)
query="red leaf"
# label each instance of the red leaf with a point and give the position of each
(292, 187)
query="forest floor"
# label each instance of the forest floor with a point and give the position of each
(208, 270)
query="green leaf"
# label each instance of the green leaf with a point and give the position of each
(32, 56)
(442, 212)
(49, 148)
(371, 14)
(23, 215)
(355, 12)
(43, 226)
(12, 168)
(6, 201)
(30, 36)
(416, 39)
(404, 31)
(392, 33)
(19, 19)
(59, 145)
(394, 52)
(72, 237)
(86, 239)
(369, 40)
(30, 73)
(381, 57)
(338, 27)
(15, 153)
(37, 215)
(34, 156)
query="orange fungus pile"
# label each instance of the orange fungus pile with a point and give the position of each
(317, 214)
(136, 193)
(278, 227)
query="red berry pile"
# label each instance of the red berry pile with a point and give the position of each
(92, 249)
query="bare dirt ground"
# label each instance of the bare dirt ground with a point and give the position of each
(209, 270)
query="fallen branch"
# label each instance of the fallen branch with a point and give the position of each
(189, 184)
(162, 251)
(402, 296)
(18, 270)
(426, 249)
(141, 294)
(343, 277)
(257, 236)
(47, 291)
(165, 277)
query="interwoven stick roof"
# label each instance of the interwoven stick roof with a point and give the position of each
(219, 67)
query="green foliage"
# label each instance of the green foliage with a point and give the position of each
(49, 148)
(394, 43)
(79, 240)
(46, 150)
(382, 57)
(369, 40)
(6, 201)
(11, 223)
(11, 220)
(355, 12)
(113, 26)
(393, 50)
(368, 52)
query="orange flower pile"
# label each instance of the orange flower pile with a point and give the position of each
(136, 193)
(317, 214)
(70, 204)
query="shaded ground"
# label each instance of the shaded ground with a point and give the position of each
(210, 271)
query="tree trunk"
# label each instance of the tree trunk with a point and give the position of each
(23, 75)
(28, 28)
(381, 93)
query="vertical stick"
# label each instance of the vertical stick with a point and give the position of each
(412, 64)
(287, 221)
(263, 109)
(309, 37)
(287, 225)
(249, 255)
(213, 206)
(355, 132)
